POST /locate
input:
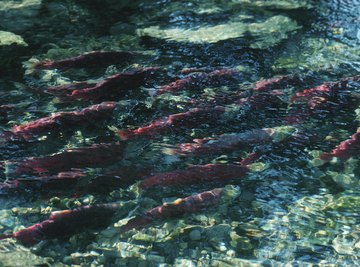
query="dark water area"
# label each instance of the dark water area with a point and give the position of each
(179, 133)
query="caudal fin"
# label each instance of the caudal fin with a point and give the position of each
(124, 134)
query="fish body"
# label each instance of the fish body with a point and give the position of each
(322, 99)
(90, 59)
(280, 82)
(198, 80)
(175, 122)
(96, 155)
(177, 208)
(61, 120)
(72, 180)
(65, 223)
(225, 142)
(114, 85)
(346, 149)
(4, 110)
(337, 91)
(195, 174)
(60, 181)
(68, 88)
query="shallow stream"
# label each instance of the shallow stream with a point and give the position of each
(294, 204)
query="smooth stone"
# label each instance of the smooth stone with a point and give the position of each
(195, 235)
(9, 38)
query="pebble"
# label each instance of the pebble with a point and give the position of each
(195, 235)
(155, 258)
(184, 263)
(230, 253)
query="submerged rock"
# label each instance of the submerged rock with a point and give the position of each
(13, 254)
(266, 34)
(276, 4)
(9, 38)
(19, 16)
(316, 222)
(12, 47)
(318, 54)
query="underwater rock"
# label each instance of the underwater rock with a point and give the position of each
(357, 112)
(19, 15)
(8, 38)
(266, 34)
(346, 180)
(317, 221)
(78, 258)
(184, 262)
(114, 4)
(195, 235)
(218, 233)
(16, 255)
(275, 4)
(317, 54)
(12, 47)
(59, 181)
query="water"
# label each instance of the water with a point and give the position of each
(289, 209)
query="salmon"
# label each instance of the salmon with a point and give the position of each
(90, 59)
(191, 204)
(65, 223)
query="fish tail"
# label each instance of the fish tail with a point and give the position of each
(4, 236)
(319, 158)
(169, 151)
(124, 134)
(326, 156)
(7, 136)
(251, 158)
